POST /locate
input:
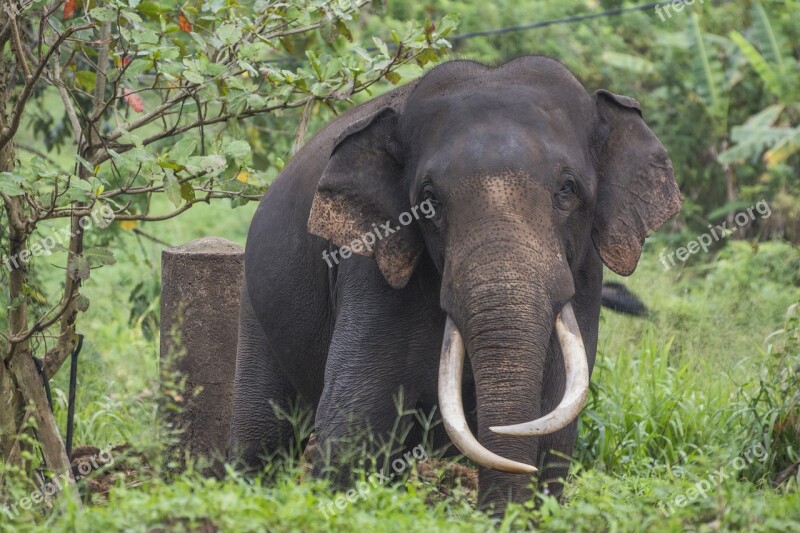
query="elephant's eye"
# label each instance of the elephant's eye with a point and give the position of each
(429, 202)
(567, 195)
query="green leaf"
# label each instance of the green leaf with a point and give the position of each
(329, 28)
(257, 51)
(11, 184)
(711, 87)
(449, 23)
(172, 188)
(764, 70)
(187, 191)
(103, 14)
(344, 31)
(314, 61)
(229, 34)
(99, 256)
(768, 40)
(381, 46)
(78, 268)
(209, 164)
(80, 190)
(145, 36)
(236, 149)
(393, 77)
(84, 163)
(182, 150)
(426, 56)
(193, 77)
(86, 80)
(628, 62)
(82, 303)
(756, 135)
(152, 9)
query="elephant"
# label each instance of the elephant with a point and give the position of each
(513, 186)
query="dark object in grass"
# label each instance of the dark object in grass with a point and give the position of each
(618, 298)
(101, 469)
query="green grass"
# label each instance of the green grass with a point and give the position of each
(675, 396)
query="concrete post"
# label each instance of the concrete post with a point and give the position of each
(200, 289)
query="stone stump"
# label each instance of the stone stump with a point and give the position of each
(200, 286)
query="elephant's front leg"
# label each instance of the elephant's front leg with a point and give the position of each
(556, 449)
(383, 352)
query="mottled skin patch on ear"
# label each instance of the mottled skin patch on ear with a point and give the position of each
(336, 219)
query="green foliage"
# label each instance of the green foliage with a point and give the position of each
(242, 86)
(173, 103)
(774, 406)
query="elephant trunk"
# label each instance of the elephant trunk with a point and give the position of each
(505, 297)
(451, 402)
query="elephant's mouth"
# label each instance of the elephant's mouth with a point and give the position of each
(451, 405)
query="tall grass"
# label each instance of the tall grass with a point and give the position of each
(711, 372)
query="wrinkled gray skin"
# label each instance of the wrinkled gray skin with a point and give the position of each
(536, 184)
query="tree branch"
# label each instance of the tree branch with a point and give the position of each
(40, 324)
(8, 132)
(20, 50)
(62, 92)
(203, 122)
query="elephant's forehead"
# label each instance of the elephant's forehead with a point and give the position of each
(502, 119)
(500, 143)
(492, 99)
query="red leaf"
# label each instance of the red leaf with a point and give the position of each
(133, 100)
(183, 23)
(69, 8)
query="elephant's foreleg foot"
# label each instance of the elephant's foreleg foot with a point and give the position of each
(267, 412)
(554, 460)
(373, 438)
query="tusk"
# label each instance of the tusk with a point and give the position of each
(577, 387)
(451, 368)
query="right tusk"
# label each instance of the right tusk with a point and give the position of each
(452, 407)
(577, 382)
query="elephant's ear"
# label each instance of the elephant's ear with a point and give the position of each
(636, 191)
(360, 191)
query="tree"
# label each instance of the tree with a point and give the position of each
(149, 98)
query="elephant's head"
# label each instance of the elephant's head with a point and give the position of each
(529, 175)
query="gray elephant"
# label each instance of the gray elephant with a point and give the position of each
(464, 216)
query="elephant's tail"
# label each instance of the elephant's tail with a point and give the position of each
(617, 297)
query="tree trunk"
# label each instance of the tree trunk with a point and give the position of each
(10, 411)
(21, 386)
(10, 401)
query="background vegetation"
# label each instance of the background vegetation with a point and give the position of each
(710, 373)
